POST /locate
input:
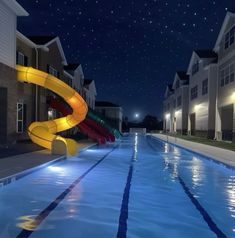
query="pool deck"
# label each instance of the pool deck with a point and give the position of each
(221, 155)
(23, 161)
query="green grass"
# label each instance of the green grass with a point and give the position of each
(220, 144)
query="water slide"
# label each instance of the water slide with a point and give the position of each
(44, 133)
(83, 126)
(93, 115)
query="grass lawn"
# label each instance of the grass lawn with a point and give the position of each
(220, 144)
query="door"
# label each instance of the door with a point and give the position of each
(3, 115)
(227, 122)
(193, 123)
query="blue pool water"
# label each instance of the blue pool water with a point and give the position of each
(138, 187)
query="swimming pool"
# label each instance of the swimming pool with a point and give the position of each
(138, 187)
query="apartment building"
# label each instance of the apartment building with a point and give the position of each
(89, 92)
(111, 111)
(9, 11)
(202, 71)
(168, 109)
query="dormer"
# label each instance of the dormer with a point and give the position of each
(169, 91)
(181, 78)
(200, 59)
(226, 38)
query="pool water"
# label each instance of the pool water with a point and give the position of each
(137, 187)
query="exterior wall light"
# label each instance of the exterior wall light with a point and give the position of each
(197, 107)
(177, 113)
(167, 116)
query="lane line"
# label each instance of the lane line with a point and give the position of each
(46, 212)
(122, 225)
(207, 218)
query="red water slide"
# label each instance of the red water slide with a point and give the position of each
(83, 126)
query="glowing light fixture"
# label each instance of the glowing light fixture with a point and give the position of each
(167, 116)
(197, 107)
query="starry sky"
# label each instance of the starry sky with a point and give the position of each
(131, 49)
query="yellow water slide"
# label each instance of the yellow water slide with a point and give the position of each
(44, 133)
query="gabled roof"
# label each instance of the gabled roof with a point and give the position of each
(105, 104)
(87, 81)
(16, 8)
(41, 40)
(169, 89)
(202, 54)
(206, 53)
(228, 16)
(72, 67)
(182, 75)
(48, 40)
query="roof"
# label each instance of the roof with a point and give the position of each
(71, 66)
(206, 53)
(16, 8)
(105, 104)
(87, 81)
(41, 40)
(229, 14)
(182, 75)
(169, 87)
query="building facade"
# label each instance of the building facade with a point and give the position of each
(111, 111)
(202, 71)
(225, 48)
(9, 11)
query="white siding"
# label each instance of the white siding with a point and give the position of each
(7, 36)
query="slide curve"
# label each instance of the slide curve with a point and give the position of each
(84, 128)
(44, 133)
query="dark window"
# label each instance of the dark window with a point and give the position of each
(195, 68)
(21, 59)
(204, 86)
(193, 92)
(52, 71)
(179, 101)
(229, 38)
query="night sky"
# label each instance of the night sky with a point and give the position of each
(131, 49)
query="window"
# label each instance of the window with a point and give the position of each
(21, 59)
(204, 86)
(227, 75)
(179, 101)
(52, 71)
(21, 118)
(193, 92)
(229, 37)
(195, 68)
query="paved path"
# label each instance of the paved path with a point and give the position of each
(18, 160)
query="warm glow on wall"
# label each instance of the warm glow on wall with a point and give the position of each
(233, 96)
(167, 116)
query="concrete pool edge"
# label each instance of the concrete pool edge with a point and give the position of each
(218, 155)
(16, 176)
(9, 179)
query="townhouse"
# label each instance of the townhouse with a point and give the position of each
(176, 104)
(9, 11)
(22, 103)
(202, 71)
(211, 89)
(225, 48)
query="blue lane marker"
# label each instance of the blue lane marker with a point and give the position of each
(41, 217)
(202, 210)
(207, 218)
(122, 225)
